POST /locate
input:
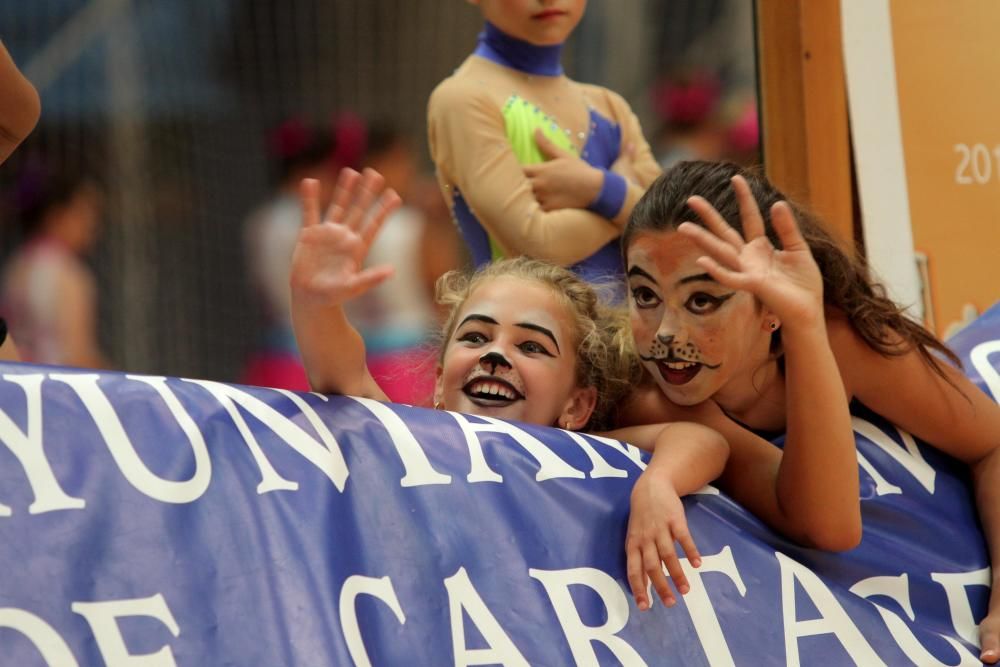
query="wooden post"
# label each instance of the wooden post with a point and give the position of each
(804, 107)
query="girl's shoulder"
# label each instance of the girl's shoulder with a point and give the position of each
(847, 342)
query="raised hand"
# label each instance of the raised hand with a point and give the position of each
(328, 256)
(655, 522)
(563, 180)
(786, 280)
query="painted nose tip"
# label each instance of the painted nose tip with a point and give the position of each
(493, 359)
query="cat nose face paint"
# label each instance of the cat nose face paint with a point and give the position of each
(694, 335)
(494, 359)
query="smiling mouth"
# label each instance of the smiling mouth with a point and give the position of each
(678, 372)
(491, 392)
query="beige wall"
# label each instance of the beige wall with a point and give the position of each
(947, 73)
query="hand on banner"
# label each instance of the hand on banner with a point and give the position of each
(328, 257)
(786, 280)
(563, 180)
(655, 522)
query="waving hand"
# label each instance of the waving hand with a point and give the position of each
(787, 279)
(328, 257)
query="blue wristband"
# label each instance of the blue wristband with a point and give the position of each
(611, 197)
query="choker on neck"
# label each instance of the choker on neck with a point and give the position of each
(501, 48)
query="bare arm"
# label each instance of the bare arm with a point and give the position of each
(753, 471)
(817, 481)
(326, 272)
(19, 105)
(955, 417)
(816, 484)
(686, 457)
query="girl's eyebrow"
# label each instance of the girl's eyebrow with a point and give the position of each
(542, 330)
(699, 277)
(477, 318)
(636, 271)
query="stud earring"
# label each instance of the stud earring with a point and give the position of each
(774, 325)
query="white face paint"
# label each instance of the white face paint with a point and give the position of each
(512, 354)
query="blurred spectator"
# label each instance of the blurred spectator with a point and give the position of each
(299, 151)
(49, 294)
(397, 317)
(687, 106)
(743, 132)
(700, 121)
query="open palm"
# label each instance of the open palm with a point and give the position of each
(329, 254)
(786, 280)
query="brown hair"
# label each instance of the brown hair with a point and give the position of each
(605, 357)
(847, 281)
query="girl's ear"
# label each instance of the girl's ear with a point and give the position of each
(770, 322)
(578, 408)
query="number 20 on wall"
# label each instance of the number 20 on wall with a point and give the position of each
(976, 164)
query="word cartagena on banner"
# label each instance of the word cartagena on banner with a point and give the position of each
(183, 522)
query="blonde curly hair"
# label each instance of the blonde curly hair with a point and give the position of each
(605, 352)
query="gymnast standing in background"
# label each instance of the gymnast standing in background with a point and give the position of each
(531, 162)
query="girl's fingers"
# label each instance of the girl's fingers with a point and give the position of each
(665, 545)
(653, 567)
(719, 250)
(683, 538)
(309, 197)
(547, 148)
(989, 641)
(372, 183)
(366, 279)
(388, 202)
(347, 182)
(636, 579)
(753, 222)
(724, 276)
(714, 221)
(787, 228)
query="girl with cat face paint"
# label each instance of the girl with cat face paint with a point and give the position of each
(748, 316)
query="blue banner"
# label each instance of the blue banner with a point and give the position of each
(164, 521)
